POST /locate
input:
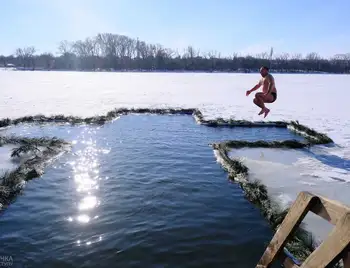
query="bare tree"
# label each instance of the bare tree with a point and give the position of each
(113, 51)
(191, 52)
(313, 61)
(313, 56)
(143, 50)
(342, 61)
(213, 55)
(65, 47)
(297, 56)
(263, 56)
(46, 60)
(107, 43)
(26, 56)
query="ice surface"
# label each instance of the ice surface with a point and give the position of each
(280, 170)
(6, 163)
(319, 101)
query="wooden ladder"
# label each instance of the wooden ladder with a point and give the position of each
(334, 248)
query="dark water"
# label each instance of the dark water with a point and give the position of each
(143, 191)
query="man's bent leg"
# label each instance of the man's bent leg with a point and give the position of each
(266, 99)
(259, 102)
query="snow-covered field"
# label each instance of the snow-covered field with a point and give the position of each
(319, 101)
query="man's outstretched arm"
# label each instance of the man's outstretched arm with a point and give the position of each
(254, 88)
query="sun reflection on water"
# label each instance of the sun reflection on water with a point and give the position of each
(88, 202)
(85, 169)
(86, 178)
(83, 218)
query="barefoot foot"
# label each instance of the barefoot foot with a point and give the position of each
(262, 111)
(266, 112)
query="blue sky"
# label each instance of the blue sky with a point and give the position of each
(227, 26)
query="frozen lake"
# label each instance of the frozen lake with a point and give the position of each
(319, 101)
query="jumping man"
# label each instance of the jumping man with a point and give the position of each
(269, 92)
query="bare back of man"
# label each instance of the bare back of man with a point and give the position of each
(268, 94)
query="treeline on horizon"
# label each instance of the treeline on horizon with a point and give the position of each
(118, 52)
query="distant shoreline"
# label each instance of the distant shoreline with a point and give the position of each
(167, 71)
